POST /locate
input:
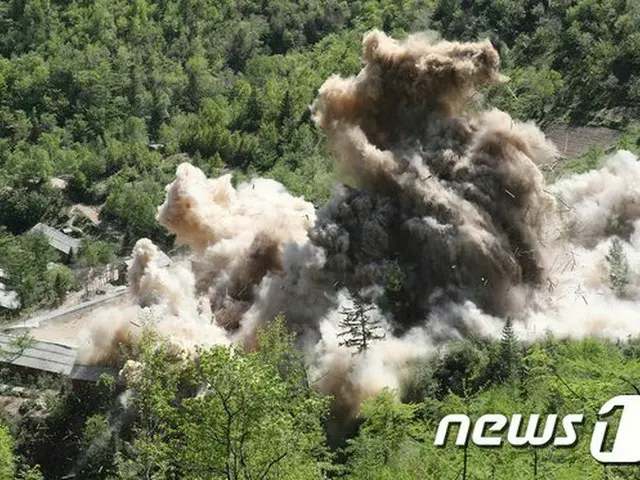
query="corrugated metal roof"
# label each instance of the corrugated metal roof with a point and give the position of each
(44, 356)
(57, 239)
(51, 357)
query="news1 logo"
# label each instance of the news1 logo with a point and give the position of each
(625, 449)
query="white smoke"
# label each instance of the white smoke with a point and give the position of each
(593, 209)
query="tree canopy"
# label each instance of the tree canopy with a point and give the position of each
(101, 100)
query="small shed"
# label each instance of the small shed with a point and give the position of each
(9, 300)
(58, 240)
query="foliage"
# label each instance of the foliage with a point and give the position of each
(509, 353)
(358, 328)
(559, 377)
(61, 281)
(112, 96)
(98, 445)
(466, 368)
(230, 414)
(386, 427)
(23, 207)
(96, 253)
(591, 160)
(618, 267)
(25, 260)
(30, 473)
(133, 207)
(7, 466)
(569, 60)
(56, 441)
(17, 346)
(630, 139)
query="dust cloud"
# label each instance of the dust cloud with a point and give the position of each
(443, 223)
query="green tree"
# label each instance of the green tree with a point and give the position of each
(96, 253)
(387, 426)
(133, 206)
(98, 446)
(7, 465)
(62, 280)
(465, 367)
(17, 346)
(509, 353)
(244, 421)
(618, 267)
(30, 473)
(358, 328)
(25, 259)
(23, 207)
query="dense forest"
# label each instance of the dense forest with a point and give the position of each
(110, 96)
(265, 420)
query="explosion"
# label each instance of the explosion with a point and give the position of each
(444, 224)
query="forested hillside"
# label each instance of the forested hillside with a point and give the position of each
(101, 100)
(264, 420)
(87, 86)
(112, 95)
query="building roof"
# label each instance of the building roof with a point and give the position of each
(8, 298)
(51, 357)
(573, 142)
(87, 211)
(44, 356)
(57, 239)
(59, 182)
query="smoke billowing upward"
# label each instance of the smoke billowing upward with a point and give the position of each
(444, 223)
(456, 202)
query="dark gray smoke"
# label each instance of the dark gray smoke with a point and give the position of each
(451, 203)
